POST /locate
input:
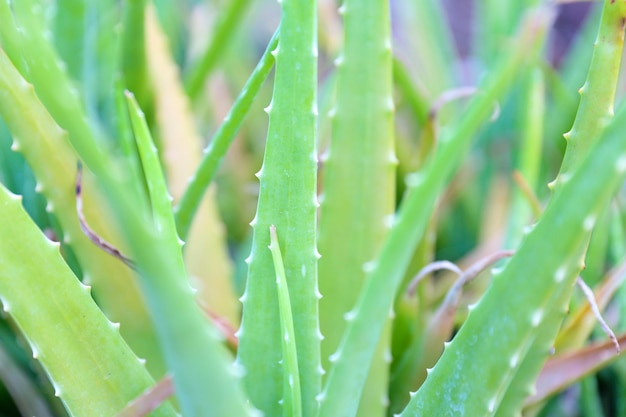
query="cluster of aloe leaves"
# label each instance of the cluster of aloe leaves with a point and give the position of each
(385, 150)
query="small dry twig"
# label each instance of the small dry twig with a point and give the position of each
(150, 399)
(88, 231)
(591, 299)
(464, 277)
(430, 268)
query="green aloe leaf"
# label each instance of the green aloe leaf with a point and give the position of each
(358, 197)
(214, 153)
(292, 403)
(92, 369)
(223, 32)
(287, 199)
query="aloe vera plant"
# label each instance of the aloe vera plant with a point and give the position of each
(331, 322)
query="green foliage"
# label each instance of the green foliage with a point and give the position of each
(65, 331)
(414, 166)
